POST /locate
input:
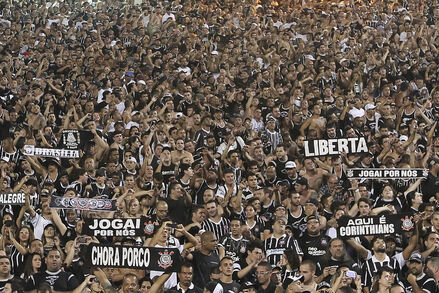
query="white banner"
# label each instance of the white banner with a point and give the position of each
(30, 150)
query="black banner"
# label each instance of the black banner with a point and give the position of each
(373, 225)
(71, 139)
(381, 173)
(335, 146)
(90, 204)
(116, 227)
(12, 198)
(30, 150)
(134, 257)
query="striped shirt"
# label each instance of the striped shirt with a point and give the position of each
(13, 157)
(373, 265)
(275, 247)
(219, 229)
(17, 261)
(271, 140)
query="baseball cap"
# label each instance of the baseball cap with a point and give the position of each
(6, 159)
(100, 173)
(369, 107)
(313, 201)
(290, 165)
(129, 73)
(132, 159)
(312, 217)
(302, 181)
(283, 219)
(432, 162)
(416, 257)
(45, 192)
(248, 285)
(292, 279)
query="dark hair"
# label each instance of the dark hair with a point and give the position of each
(44, 286)
(266, 265)
(225, 258)
(253, 244)
(28, 269)
(292, 258)
(212, 200)
(372, 242)
(16, 285)
(186, 264)
(425, 205)
(365, 200)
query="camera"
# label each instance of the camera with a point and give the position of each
(351, 274)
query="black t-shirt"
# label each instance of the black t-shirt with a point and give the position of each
(424, 282)
(202, 266)
(177, 210)
(59, 281)
(3, 282)
(168, 172)
(429, 186)
(314, 247)
(270, 289)
(229, 287)
(102, 192)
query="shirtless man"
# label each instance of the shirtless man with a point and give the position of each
(179, 152)
(315, 122)
(314, 175)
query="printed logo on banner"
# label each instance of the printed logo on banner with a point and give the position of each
(71, 138)
(335, 146)
(407, 223)
(12, 198)
(91, 204)
(165, 260)
(149, 227)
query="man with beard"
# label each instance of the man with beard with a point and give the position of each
(417, 281)
(203, 133)
(313, 243)
(201, 185)
(296, 214)
(336, 257)
(378, 260)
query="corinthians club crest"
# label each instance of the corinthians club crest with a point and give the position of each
(71, 138)
(407, 223)
(165, 260)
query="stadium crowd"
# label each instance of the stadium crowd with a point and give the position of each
(194, 114)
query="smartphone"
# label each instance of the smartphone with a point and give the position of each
(173, 225)
(81, 240)
(351, 274)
